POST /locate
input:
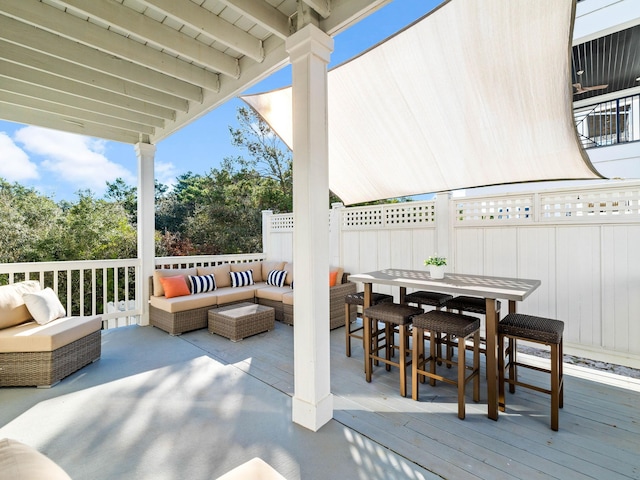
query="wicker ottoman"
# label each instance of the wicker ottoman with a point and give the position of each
(241, 320)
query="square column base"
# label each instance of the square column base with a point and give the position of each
(312, 417)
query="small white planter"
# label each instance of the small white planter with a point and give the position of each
(437, 271)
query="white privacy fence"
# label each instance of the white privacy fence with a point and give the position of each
(582, 243)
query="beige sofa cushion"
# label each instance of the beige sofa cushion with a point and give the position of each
(267, 266)
(238, 294)
(287, 298)
(13, 310)
(158, 291)
(220, 272)
(257, 268)
(288, 266)
(189, 302)
(22, 462)
(254, 469)
(31, 337)
(272, 293)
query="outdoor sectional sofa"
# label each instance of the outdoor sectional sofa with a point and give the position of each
(41, 353)
(188, 312)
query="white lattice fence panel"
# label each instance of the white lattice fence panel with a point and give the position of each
(282, 221)
(395, 215)
(501, 210)
(591, 205)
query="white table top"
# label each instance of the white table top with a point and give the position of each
(457, 283)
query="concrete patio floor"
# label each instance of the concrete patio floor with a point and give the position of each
(197, 405)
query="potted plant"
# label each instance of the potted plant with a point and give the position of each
(436, 266)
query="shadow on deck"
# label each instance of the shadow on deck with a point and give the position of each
(197, 405)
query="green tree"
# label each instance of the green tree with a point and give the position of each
(29, 222)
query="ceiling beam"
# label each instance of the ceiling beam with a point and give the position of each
(322, 7)
(61, 68)
(36, 77)
(149, 30)
(209, 25)
(266, 16)
(61, 98)
(66, 25)
(55, 46)
(81, 116)
(13, 113)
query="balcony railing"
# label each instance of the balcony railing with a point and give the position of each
(104, 287)
(609, 123)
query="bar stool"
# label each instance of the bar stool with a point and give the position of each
(477, 305)
(392, 315)
(437, 300)
(540, 330)
(454, 325)
(357, 300)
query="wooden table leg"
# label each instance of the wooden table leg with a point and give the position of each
(367, 332)
(492, 358)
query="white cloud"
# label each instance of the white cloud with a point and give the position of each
(15, 165)
(73, 159)
(166, 173)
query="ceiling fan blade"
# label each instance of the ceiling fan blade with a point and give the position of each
(595, 87)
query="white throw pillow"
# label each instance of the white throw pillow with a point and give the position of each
(44, 306)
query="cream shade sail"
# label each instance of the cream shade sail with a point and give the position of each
(475, 93)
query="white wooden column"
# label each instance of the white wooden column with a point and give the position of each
(146, 225)
(309, 51)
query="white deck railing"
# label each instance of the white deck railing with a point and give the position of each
(104, 287)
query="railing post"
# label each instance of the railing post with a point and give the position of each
(335, 234)
(266, 232)
(443, 227)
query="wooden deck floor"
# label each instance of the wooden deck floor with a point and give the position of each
(599, 435)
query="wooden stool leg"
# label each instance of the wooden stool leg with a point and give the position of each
(501, 395)
(433, 353)
(402, 360)
(461, 375)
(347, 328)
(561, 359)
(476, 366)
(555, 387)
(513, 371)
(417, 360)
(388, 342)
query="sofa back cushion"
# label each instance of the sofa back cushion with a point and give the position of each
(158, 290)
(13, 310)
(257, 267)
(267, 266)
(288, 266)
(219, 272)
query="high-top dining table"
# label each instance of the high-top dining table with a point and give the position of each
(491, 288)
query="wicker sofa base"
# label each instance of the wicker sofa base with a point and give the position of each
(45, 369)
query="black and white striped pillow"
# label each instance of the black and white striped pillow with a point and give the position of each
(276, 278)
(201, 284)
(241, 279)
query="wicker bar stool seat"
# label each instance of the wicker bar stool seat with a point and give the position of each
(544, 331)
(432, 299)
(454, 325)
(392, 315)
(357, 300)
(437, 300)
(468, 304)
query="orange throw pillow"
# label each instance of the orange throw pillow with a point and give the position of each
(333, 276)
(175, 286)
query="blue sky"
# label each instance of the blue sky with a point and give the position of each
(58, 164)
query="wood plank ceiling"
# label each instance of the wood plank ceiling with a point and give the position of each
(138, 70)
